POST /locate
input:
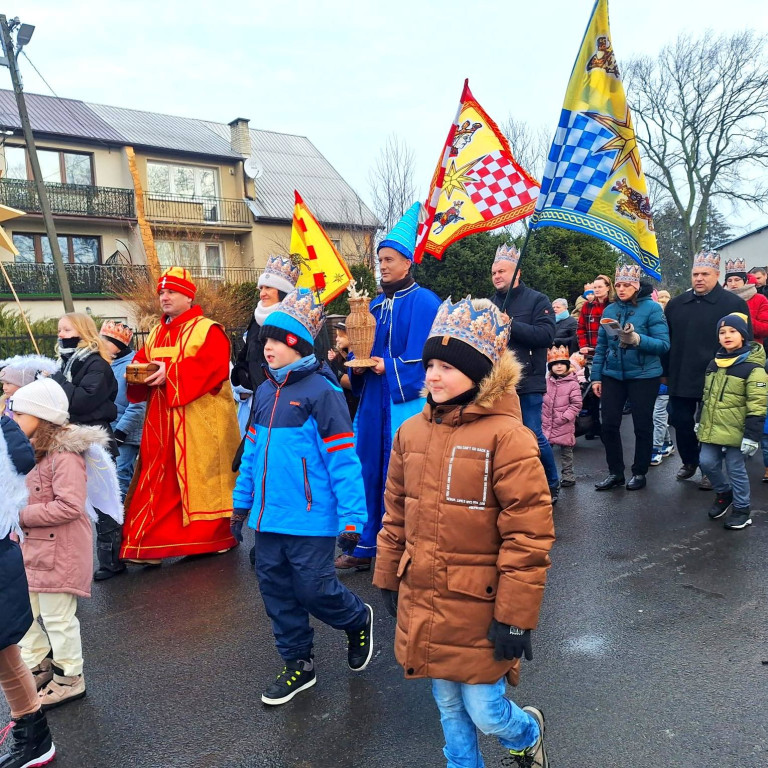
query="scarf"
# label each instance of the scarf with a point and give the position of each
(746, 292)
(390, 289)
(725, 359)
(70, 356)
(305, 363)
(261, 313)
(562, 315)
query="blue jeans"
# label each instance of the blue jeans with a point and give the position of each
(711, 463)
(465, 708)
(764, 446)
(126, 462)
(530, 405)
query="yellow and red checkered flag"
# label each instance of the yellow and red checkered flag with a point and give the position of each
(322, 268)
(477, 185)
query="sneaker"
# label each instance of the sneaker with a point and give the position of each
(296, 676)
(656, 458)
(360, 644)
(31, 744)
(43, 673)
(568, 482)
(765, 475)
(738, 518)
(721, 505)
(667, 449)
(60, 690)
(535, 756)
(554, 493)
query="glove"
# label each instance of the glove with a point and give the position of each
(120, 436)
(509, 642)
(236, 523)
(748, 447)
(696, 428)
(628, 337)
(347, 541)
(389, 596)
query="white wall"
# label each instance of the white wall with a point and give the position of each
(752, 248)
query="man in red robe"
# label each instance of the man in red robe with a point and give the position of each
(182, 499)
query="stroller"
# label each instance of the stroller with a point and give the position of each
(585, 420)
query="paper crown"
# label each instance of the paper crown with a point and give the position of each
(735, 266)
(403, 235)
(482, 329)
(628, 273)
(280, 273)
(115, 330)
(558, 355)
(177, 279)
(302, 305)
(707, 260)
(507, 253)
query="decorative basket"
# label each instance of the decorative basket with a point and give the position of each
(361, 330)
(138, 373)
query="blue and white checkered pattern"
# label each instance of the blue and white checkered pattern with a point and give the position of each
(576, 172)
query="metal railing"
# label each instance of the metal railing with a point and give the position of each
(201, 211)
(227, 274)
(70, 199)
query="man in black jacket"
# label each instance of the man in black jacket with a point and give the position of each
(566, 327)
(532, 330)
(692, 318)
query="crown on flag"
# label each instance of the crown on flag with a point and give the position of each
(302, 306)
(115, 330)
(507, 253)
(558, 355)
(628, 273)
(280, 273)
(735, 267)
(482, 329)
(707, 260)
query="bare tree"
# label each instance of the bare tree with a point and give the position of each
(391, 182)
(700, 109)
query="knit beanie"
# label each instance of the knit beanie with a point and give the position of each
(459, 354)
(291, 338)
(43, 398)
(738, 321)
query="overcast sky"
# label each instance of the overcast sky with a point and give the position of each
(347, 73)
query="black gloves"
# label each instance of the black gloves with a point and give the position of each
(509, 642)
(347, 542)
(120, 436)
(389, 596)
(236, 523)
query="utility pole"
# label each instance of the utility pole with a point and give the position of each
(45, 207)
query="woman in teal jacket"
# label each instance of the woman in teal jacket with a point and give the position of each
(627, 365)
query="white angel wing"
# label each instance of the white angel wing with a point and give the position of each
(103, 491)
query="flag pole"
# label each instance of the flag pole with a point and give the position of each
(505, 305)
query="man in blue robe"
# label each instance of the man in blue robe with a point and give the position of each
(391, 392)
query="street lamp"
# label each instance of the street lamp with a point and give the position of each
(24, 35)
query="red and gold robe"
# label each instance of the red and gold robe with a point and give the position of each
(182, 499)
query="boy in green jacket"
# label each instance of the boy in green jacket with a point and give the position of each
(731, 418)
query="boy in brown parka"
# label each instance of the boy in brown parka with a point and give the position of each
(463, 552)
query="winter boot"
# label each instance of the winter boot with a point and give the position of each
(720, 505)
(109, 537)
(43, 672)
(61, 689)
(32, 745)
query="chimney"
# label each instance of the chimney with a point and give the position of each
(240, 137)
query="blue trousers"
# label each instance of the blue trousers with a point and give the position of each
(734, 478)
(297, 578)
(465, 708)
(530, 405)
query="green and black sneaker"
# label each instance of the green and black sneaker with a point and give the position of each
(360, 644)
(296, 676)
(535, 756)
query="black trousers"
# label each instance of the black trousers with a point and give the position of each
(642, 393)
(682, 416)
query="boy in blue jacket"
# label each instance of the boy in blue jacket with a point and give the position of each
(300, 485)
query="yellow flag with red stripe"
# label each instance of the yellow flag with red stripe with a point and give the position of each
(323, 270)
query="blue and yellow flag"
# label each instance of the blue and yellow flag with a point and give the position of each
(593, 181)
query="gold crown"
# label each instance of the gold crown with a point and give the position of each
(302, 305)
(115, 330)
(507, 253)
(735, 266)
(283, 267)
(558, 355)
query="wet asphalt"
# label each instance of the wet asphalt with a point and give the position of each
(651, 651)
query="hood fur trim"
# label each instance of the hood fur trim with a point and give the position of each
(14, 492)
(71, 438)
(501, 381)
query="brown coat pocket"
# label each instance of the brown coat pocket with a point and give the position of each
(478, 581)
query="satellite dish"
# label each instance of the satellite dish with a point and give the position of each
(253, 168)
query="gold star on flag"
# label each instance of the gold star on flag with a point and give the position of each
(624, 142)
(456, 178)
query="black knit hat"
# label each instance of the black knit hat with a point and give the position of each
(738, 322)
(302, 346)
(459, 354)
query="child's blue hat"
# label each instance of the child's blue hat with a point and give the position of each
(403, 235)
(737, 321)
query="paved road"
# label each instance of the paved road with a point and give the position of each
(652, 651)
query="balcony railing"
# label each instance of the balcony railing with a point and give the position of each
(69, 199)
(200, 211)
(94, 280)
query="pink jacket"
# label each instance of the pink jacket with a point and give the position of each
(562, 404)
(58, 540)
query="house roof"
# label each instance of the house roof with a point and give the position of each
(742, 237)
(289, 162)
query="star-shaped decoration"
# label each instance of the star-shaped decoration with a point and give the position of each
(456, 178)
(6, 214)
(625, 142)
(339, 277)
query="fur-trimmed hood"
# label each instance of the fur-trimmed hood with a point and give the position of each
(70, 438)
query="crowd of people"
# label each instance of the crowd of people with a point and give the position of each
(171, 450)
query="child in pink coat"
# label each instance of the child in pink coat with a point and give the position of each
(562, 404)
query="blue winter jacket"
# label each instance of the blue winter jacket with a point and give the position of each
(130, 416)
(642, 361)
(300, 473)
